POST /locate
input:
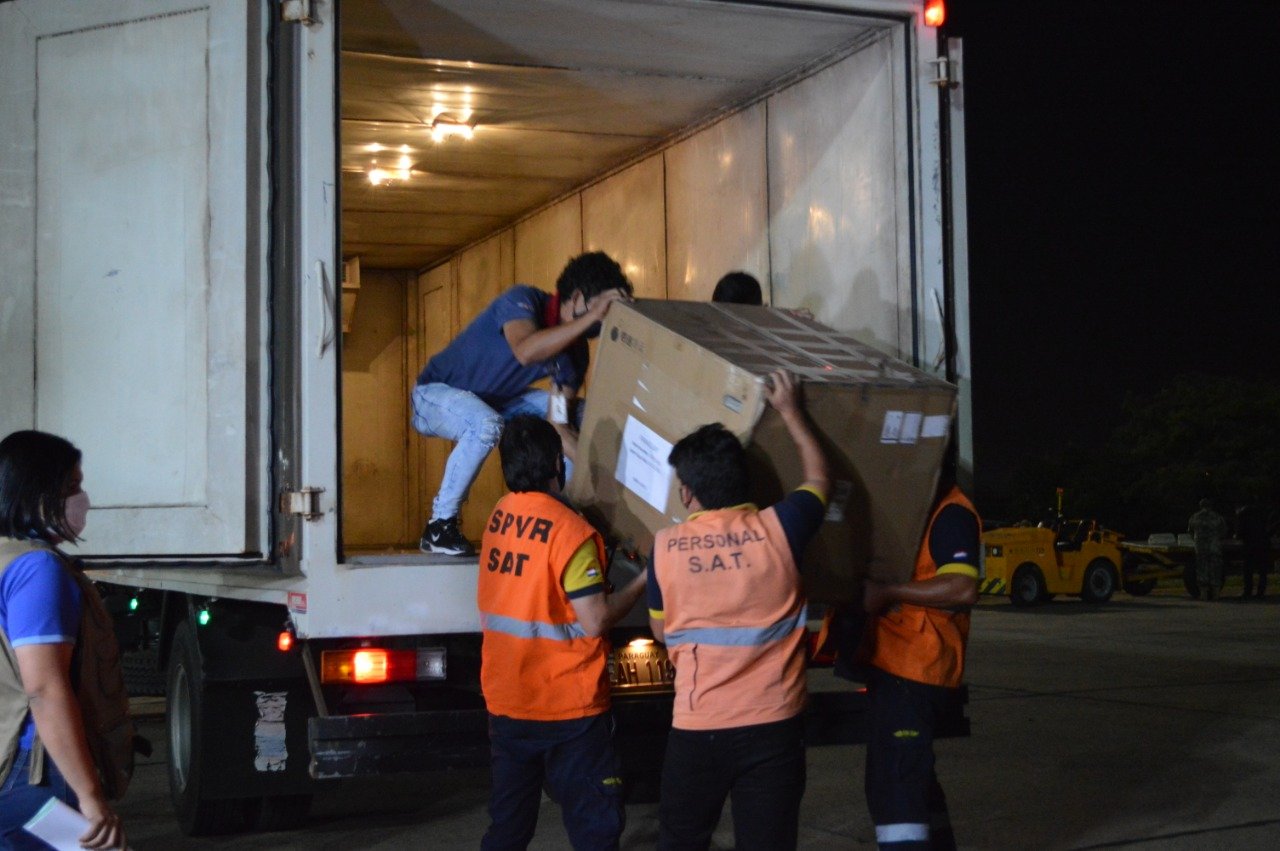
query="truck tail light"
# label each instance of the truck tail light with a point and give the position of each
(935, 13)
(372, 665)
(284, 641)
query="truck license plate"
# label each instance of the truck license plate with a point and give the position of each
(642, 664)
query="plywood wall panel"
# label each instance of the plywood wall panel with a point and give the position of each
(484, 271)
(624, 216)
(547, 241)
(717, 206)
(375, 414)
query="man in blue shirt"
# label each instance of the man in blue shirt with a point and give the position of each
(482, 379)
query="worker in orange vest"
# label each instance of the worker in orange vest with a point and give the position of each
(726, 597)
(545, 609)
(915, 646)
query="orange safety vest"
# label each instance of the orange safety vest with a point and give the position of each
(536, 662)
(734, 619)
(920, 643)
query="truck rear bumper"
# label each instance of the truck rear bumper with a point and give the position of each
(358, 745)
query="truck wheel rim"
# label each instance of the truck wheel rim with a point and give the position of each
(180, 728)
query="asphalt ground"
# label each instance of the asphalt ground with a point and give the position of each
(1149, 722)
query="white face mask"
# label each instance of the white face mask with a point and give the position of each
(76, 510)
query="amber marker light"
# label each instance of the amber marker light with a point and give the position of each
(935, 13)
(284, 641)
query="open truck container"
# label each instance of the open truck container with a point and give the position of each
(233, 231)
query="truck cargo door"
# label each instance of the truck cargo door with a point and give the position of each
(132, 293)
(959, 361)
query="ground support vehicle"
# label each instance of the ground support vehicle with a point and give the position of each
(1168, 555)
(1033, 563)
(233, 232)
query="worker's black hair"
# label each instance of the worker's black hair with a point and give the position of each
(738, 288)
(591, 273)
(530, 453)
(712, 463)
(35, 474)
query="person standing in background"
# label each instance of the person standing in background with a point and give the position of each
(1208, 528)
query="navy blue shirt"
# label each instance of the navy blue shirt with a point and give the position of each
(800, 514)
(480, 359)
(39, 604)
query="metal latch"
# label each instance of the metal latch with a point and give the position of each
(944, 79)
(305, 502)
(296, 12)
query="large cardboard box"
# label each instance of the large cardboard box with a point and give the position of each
(663, 368)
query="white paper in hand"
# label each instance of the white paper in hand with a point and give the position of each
(59, 825)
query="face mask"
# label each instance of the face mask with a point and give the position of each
(76, 510)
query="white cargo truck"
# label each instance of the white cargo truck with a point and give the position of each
(233, 230)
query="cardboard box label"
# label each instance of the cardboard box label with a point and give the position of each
(642, 464)
(901, 427)
(935, 427)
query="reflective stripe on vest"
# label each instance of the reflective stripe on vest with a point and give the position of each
(738, 636)
(537, 662)
(531, 629)
(734, 619)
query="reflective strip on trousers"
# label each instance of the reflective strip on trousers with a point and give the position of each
(906, 832)
(531, 629)
(738, 636)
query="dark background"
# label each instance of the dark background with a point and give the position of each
(1121, 179)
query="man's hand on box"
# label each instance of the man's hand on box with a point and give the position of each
(600, 305)
(783, 391)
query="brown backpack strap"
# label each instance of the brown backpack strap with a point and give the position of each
(35, 763)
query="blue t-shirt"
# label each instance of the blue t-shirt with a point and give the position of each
(480, 359)
(39, 604)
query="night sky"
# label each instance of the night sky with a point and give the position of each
(1122, 179)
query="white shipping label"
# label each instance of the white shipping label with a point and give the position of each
(910, 427)
(936, 426)
(642, 464)
(892, 426)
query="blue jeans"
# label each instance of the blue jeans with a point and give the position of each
(760, 767)
(19, 800)
(459, 415)
(576, 760)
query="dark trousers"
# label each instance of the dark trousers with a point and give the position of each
(577, 762)
(1259, 563)
(904, 797)
(19, 800)
(761, 768)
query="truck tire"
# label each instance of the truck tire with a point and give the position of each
(185, 719)
(1100, 581)
(279, 812)
(1139, 587)
(1028, 586)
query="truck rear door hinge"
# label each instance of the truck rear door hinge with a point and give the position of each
(304, 502)
(296, 12)
(948, 73)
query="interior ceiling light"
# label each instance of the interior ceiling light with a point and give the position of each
(443, 126)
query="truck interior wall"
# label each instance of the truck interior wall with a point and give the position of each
(807, 189)
(375, 427)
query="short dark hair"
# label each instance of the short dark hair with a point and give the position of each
(712, 463)
(738, 288)
(529, 449)
(591, 273)
(35, 470)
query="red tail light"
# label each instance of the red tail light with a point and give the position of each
(371, 665)
(935, 13)
(284, 641)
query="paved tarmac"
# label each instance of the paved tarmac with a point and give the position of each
(1148, 723)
